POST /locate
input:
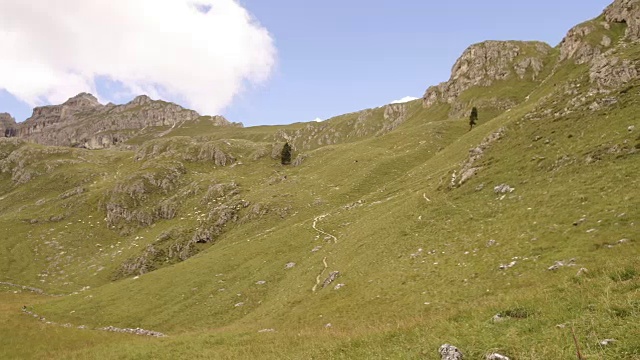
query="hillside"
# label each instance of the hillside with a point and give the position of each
(396, 230)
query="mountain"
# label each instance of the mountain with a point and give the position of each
(83, 122)
(398, 230)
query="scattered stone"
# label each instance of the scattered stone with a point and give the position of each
(503, 189)
(507, 266)
(27, 288)
(496, 356)
(328, 326)
(580, 221)
(338, 287)
(607, 342)
(623, 241)
(136, 331)
(266, 330)
(261, 282)
(556, 266)
(290, 265)
(591, 230)
(416, 254)
(491, 243)
(239, 304)
(331, 278)
(498, 318)
(560, 264)
(316, 249)
(582, 271)
(631, 128)
(480, 187)
(450, 352)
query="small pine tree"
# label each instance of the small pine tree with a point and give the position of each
(286, 154)
(473, 117)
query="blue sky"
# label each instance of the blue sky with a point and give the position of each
(335, 57)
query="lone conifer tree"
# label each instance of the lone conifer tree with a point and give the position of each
(286, 154)
(473, 117)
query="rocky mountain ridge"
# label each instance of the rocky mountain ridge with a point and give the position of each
(82, 121)
(485, 63)
(401, 230)
(599, 44)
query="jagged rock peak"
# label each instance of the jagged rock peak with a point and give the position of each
(141, 100)
(625, 11)
(484, 63)
(6, 120)
(83, 100)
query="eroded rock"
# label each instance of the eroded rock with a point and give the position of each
(450, 352)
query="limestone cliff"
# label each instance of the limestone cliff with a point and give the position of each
(83, 122)
(485, 63)
(601, 44)
(7, 125)
(628, 12)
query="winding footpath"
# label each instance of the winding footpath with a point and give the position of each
(315, 221)
(324, 262)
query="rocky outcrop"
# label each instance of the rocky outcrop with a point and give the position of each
(344, 128)
(591, 41)
(450, 352)
(485, 63)
(612, 72)
(575, 47)
(7, 125)
(470, 167)
(83, 122)
(185, 148)
(394, 115)
(628, 12)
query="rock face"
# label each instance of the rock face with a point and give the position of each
(485, 63)
(7, 125)
(612, 72)
(574, 47)
(83, 122)
(625, 11)
(591, 43)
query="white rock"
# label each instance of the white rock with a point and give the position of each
(496, 356)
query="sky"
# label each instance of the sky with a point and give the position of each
(254, 61)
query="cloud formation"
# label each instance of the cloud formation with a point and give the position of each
(404, 100)
(200, 53)
(317, 120)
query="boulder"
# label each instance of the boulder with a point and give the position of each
(450, 352)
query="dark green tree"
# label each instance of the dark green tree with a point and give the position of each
(473, 117)
(286, 154)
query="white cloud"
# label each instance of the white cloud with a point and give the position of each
(317, 120)
(200, 53)
(404, 100)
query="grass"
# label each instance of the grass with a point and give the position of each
(419, 259)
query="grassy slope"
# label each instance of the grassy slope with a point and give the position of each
(392, 305)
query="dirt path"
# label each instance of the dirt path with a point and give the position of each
(315, 221)
(319, 277)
